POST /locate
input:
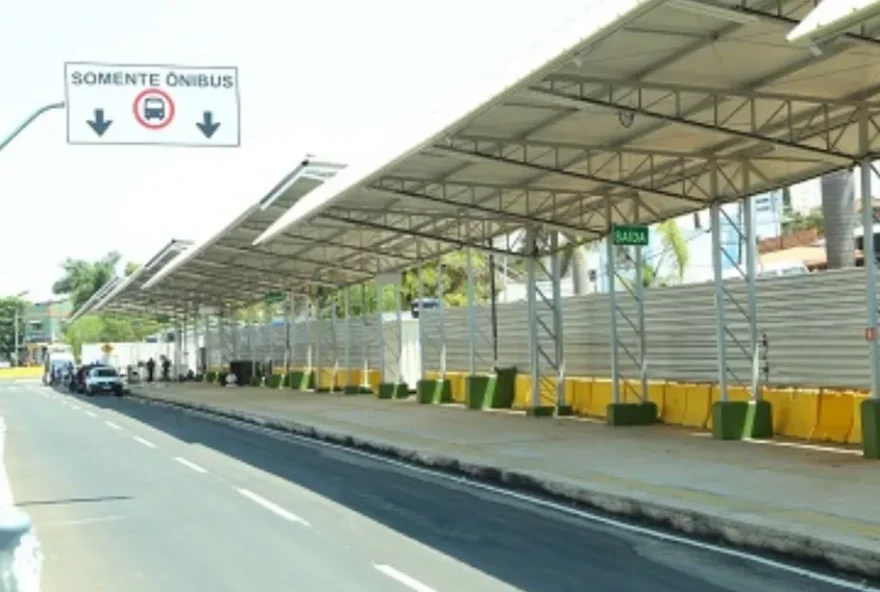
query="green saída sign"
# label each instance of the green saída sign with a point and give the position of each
(629, 235)
(274, 297)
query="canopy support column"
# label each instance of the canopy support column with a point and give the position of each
(870, 409)
(625, 245)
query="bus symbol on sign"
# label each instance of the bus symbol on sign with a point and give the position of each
(154, 108)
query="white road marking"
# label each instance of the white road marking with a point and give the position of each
(112, 425)
(76, 407)
(641, 530)
(798, 445)
(91, 414)
(190, 464)
(404, 579)
(146, 443)
(274, 508)
(83, 521)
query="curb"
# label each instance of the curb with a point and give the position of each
(708, 528)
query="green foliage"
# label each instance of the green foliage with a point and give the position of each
(454, 270)
(674, 246)
(107, 328)
(80, 281)
(8, 308)
(82, 278)
(795, 221)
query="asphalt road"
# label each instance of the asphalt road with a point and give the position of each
(132, 497)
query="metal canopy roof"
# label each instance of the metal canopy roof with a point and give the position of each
(226, 269)
(639, 103)
(126, 297)
(89, 304)
(832, 18)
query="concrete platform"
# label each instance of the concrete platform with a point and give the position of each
(811, 502)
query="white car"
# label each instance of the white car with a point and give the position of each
(103, 379)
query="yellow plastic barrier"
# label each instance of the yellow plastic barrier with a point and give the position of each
(569, 391)
(546, 391)
(780, 400)
(835, 417)
(698, 405)
(581, 394)
(22, 372)
(458, 383)
(374, 377)
(803, 415)
(855, 434)
(657, 395)
(522, 392)
(601, 398)
(675, 404)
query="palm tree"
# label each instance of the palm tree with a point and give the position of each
(83, 278)
(674, 245)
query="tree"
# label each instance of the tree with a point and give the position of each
(98, 328)
(454, 269)
(82, 278)
(795, 221)
(9, 306)
(674, 246)
(131, 267)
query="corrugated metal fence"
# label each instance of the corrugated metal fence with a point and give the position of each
(814, 327)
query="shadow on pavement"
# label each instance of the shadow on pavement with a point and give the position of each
(76, 500)
(523, 546)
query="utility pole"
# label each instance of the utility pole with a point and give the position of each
(15, 330)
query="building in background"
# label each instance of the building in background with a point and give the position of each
(42, 326)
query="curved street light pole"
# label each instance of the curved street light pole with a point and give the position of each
(29, 121)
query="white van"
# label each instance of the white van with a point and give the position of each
(57, 357)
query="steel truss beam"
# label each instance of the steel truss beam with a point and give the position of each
(673, 108)
(262, 275)
(408, 226)
(282, 266)
(438, 193)
(547, 367)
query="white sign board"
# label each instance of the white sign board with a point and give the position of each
(152, 105)
(388, 279)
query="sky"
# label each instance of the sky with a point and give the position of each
(326, 78)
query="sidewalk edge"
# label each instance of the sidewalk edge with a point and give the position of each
(705, 527)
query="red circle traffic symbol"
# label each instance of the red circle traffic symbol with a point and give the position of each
(163, 108)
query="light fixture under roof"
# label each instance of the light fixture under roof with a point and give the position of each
(716, 11)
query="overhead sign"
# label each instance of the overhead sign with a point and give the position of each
(629, 235)
(152, 105)
(388, 279)
(275, 297)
